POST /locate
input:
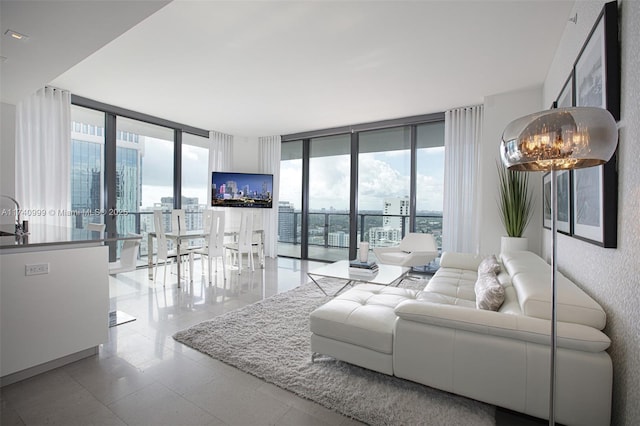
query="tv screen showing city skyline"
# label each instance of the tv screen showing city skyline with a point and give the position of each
(232, 189)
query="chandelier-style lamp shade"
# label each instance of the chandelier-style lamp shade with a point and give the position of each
(559, 139)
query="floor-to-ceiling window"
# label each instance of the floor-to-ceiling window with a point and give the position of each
(430, 179)
(125, 164)
(87, 159)
(195, 178)
(329, 197)
(373, 182)
(384, 185)
(144, 174)
(290, 203)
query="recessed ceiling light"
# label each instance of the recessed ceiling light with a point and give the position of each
(16, 35)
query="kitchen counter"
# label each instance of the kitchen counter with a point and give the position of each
(43, 237)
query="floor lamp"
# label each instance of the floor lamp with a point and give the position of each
(552, 140)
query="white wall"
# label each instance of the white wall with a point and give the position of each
(245, 154)
(500, 110)
(612, 276)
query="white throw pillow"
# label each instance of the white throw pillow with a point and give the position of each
(489, 292)
(488, 265)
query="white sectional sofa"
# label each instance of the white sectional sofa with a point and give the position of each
(438, 337)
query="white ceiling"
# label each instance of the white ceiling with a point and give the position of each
(61, 34)
(274, 67)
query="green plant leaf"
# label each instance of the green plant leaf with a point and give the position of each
(515, 200)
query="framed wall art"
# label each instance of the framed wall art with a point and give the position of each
(595, 198)
(563, 216)
(597, 69)
(594, 81)
(565, 98)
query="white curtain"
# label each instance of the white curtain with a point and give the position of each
(269, 153)
(43, 156)
(220, 155)
(460, 216)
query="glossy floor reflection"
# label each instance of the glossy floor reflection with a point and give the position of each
(141, 376)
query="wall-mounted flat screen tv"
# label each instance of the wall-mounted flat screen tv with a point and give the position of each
(230, 189)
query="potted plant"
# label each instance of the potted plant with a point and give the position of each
(516, 207)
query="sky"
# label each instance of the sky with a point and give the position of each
(157, 171)
(381, 175)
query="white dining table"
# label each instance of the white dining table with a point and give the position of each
(180, 237)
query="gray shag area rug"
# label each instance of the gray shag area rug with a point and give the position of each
(270, 339)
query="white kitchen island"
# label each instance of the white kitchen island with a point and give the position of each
(54, 299)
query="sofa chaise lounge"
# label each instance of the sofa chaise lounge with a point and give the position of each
(438, 337)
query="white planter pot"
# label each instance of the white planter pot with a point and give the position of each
(514, 244)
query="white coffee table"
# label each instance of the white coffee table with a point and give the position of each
(386, 275)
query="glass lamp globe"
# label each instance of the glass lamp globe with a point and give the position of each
(559, 139)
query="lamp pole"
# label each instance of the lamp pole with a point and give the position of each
(554, 270)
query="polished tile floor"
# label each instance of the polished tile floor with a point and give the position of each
(141, 376)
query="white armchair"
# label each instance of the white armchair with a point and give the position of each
(415, 249)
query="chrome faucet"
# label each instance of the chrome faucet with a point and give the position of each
(19, 230)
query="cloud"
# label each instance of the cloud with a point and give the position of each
(381, 175)
(157, 171)
(429, 193)
(329, 180)
(291, 182)
(195, 172)
(378, 180)
(157, 162)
